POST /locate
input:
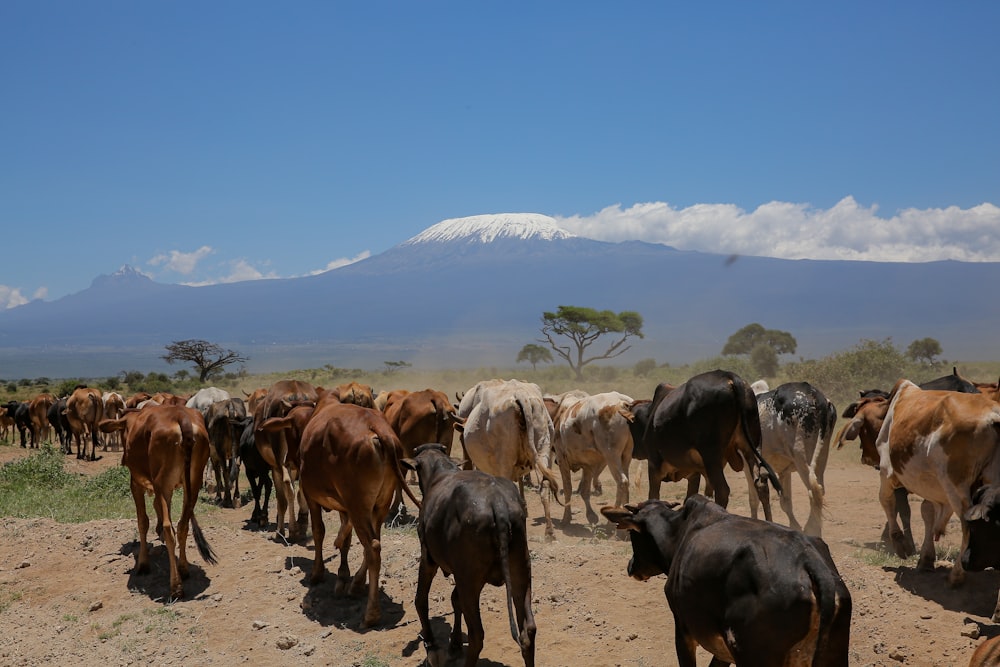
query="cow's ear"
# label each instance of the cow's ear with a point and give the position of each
(850, 410)
(849, 432)
(621, 517)
(976, 513)
(409, 464)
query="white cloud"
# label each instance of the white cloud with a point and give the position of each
(183, 263)
(40, 293)
(343, 261)
(11, 297)
(797, 231)
(240, 270)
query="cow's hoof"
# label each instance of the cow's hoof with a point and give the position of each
(372, 618)
(436, 658)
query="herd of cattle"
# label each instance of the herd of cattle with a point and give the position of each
(747, 591)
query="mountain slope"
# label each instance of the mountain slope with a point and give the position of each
(472, 291)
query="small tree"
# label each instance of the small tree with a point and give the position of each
(644, 367)
(393, 366)
(752, 335)
(207, 357)
(534, 354)
(764, 360)
(924, 350)
(583, 327)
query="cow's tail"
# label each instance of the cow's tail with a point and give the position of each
(503, 532)
(541, 467)
(191, 491)
(390, 449)
(750, 423)
(832, 607)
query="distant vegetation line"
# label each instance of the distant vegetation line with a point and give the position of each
(869, 364)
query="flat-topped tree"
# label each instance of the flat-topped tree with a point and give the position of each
(207, 357)
(583, 327)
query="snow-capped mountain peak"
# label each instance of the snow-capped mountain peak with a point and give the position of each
(489, 228)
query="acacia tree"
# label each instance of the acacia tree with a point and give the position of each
(763, 346)
(207, 357)
(924, 349)
(583, 327)
(534, 354)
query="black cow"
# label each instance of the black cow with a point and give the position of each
(18, 411)
(474, 526)
(699, 426)
(60, 424)
(257, 470)
(749, 592)
(224, 420)
(983, 518)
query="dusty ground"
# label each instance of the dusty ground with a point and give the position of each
(68, 595)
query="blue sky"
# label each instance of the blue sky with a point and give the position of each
(204, 142)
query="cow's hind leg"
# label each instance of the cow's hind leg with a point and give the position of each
(586, 485)
(425, 575)
(469, 598)
(162, 504)
(564, 471)
(319, 532)
(928, 553)
(369, 536)
(343, 544)
(455, 645)
(142, 523)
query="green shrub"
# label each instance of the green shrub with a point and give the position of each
(43, 469)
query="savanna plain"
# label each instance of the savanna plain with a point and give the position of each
(68, 593)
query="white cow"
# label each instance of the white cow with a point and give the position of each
(592, 432)
(205, 397)
(508, 433)
(796, 426)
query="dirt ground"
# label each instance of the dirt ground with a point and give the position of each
(68, 594)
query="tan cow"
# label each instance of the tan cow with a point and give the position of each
(84, 410)
(591, 433)
(166, 448)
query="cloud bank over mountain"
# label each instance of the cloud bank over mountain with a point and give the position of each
(784, 230)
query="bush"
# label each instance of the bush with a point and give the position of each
(41, 470)
(112, 483)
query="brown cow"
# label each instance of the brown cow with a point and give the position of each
(938, 445)
(280, 398)
(38, 409)
(421, 417)
(418, 418)
(166, 447)
(138, 397)
(114, 406)
(350, 464)
(356, 394)
(987, 654)
(84, 409)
